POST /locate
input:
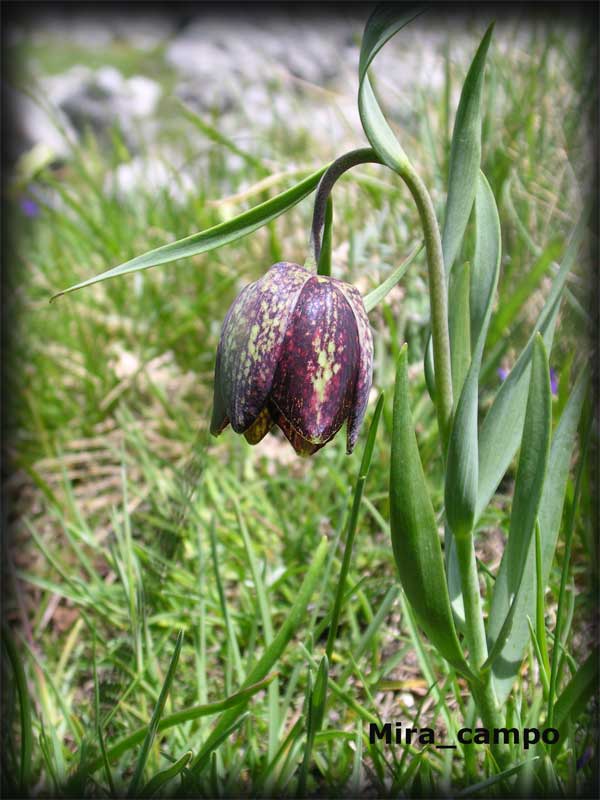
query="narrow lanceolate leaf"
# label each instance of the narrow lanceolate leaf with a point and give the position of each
(212, 238)
(505, 650)
(460, 325)
(385, 22)
(465, 156)
(154, 722)
(486, 260)
(158, 781)
(462, 468)
(316, 711)
(20, 681)
(351, 527)
(549, 519)
(502, 427)
(415, 538)
(272, 653)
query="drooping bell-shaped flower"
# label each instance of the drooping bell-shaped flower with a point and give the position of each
(295, 351)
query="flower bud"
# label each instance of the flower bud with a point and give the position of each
(295, 351)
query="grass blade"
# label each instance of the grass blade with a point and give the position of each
(292, 622)
(212, 238)
(223, 733)
(506, 773)
(180, 717)
(166, 775)
(316, 712)
(565, 569)
(575, 697)
(24, 711)
(352, 523)
(377, 295)
(219, 138)
(98, 721)
(465, 156)
(265, 616)
(518, 295)
(154, 722)
(414, 533)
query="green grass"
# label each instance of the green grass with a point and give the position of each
(133, 524)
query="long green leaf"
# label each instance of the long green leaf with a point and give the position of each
(465, 156)
(462, 469)
(485, 265)
(460, 325)
(506, 651)
(501, 430)
(550, 510)
(272, 653)
(180, 717)
(384, 22)
(414, 533)
(217, 236)
(154, 722)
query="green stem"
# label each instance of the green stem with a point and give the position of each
(435, 266)
(474, 627)
(437, 298)
(364, 155)
(482, 687)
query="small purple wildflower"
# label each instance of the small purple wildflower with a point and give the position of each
(585, 758)
(29, 207)
(502, 373)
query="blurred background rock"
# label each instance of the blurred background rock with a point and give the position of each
(249, 70)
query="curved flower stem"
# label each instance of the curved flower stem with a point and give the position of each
(437, 297)
(435, 266)
(364, 155)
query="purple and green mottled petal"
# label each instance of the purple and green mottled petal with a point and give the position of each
(260, 427)
(251, 340)
(365, 365)
(301, 445)
(219, 420)
(314, 383)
